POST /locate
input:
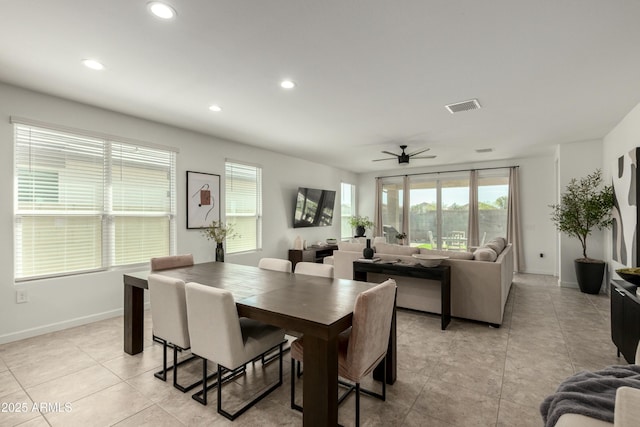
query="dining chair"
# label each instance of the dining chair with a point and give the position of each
(170, 325)
(275, 264)
(218, 334)
(314, 269)
(164, 263)
(171, 261)
(361, 347)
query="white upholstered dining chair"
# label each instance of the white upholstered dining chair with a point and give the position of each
(165, 262)
(218, 334)
(363, 345)
(170, 326)
(275, 264)
(314, 269)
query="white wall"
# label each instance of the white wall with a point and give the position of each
(537, 193)
(577, 160)
(63, 302)
(622, 139)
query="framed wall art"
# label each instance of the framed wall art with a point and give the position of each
(203, 199)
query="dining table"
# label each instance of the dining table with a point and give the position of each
(318, 307)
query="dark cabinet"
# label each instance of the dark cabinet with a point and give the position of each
(311, 254)
(625, 318)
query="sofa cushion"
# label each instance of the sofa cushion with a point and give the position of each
(450, 254)
(496, 244)
(385, 248)
(351, 247)
(485, 254)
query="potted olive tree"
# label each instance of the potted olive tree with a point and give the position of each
(584, 206)
(360, 223)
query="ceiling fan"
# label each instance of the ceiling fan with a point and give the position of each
(405, 157)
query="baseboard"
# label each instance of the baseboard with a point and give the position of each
(543, 273)
(59, 326)
(568, 284)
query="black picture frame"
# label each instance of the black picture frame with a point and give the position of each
(203, 199)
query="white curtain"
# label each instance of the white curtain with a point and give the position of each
(514, 226)
(473, 237)
(405, 205)
(378, 209)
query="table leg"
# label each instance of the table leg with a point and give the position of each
(445, 299)
(320, 385)
(133, 319)
(390, 362)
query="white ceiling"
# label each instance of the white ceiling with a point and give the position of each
(370, 74)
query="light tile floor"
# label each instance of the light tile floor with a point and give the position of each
(468, 375)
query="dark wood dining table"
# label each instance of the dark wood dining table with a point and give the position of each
(318, 307)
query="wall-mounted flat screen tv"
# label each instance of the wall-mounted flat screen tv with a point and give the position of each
(314, 208)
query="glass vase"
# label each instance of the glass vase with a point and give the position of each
(219, 253)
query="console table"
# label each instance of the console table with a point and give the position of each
(442, 273)
(625, 318)
(311, 254)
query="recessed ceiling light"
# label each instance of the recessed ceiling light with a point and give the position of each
(484, 150)
(161, 10)
(215, 108)
(287, 84)
(93, 64)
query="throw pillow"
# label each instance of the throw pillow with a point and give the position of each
(450, 254)
(496, 245)
(485, 254)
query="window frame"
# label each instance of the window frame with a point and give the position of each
(257, 246)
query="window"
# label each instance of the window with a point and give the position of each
(439, 211)
(243, 201)
(493, 193)
(392, 205)
(439, 207)
(347, 209)
(85, 203)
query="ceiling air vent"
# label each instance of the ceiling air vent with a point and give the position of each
(484, 150)
(471, 104)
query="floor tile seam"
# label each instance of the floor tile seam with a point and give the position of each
(564, 338)
(115, 424)
(17, 382)
(504, 365)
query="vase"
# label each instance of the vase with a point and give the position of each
(219, 253)
(360, 231)
(367, 252)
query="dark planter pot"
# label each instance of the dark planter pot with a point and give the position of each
(589, 275)
(219, 253)
(360, 231)
(368, 251)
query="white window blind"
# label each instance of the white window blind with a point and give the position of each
(347, 209)
(85, 204)
(243, 201)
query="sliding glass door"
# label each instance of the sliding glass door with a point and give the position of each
(493, 193)
(439, 211)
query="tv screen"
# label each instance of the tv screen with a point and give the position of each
(314, 208)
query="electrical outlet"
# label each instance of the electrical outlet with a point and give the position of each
(22, 296)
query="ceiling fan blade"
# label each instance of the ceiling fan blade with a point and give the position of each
(419, 151)
(390, 153)
(424, 157)
(379, 160)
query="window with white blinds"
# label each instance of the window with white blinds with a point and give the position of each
(84, 203)
(243, 201)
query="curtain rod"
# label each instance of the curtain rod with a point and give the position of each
(459, 170)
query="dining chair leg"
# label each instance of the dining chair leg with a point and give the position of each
(162, 375)
(357, 404)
